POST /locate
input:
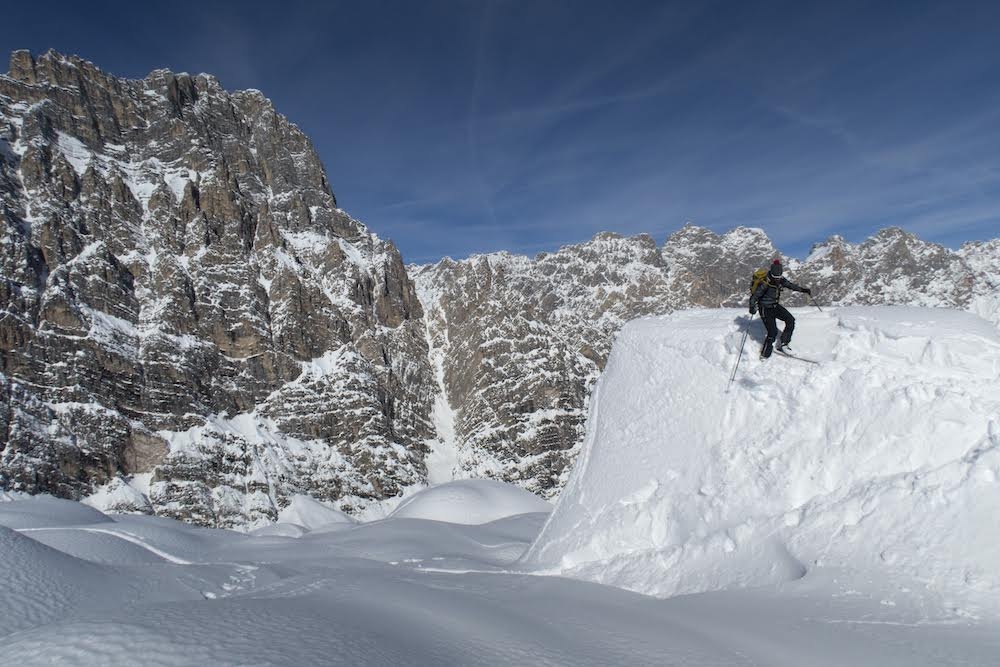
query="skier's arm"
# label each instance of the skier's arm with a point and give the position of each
(788, 284)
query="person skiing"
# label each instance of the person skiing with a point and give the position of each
(766, 297)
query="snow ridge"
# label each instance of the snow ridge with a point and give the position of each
(883, 459)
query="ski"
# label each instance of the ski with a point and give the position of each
(792, 356)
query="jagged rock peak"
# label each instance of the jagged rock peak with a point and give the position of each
(745, 236)
(21, 66)
(690, 240)
(56, 69)
(691, 233)
(612, 240)
(832, 252)
(610, 243)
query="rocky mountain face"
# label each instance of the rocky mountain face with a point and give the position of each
(181, 296)
(521, 341)
(189, 325)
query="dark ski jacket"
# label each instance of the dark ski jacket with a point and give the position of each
(768, 292)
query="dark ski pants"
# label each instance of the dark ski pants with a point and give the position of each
(769, 315)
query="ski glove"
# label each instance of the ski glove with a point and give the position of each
(753, 310)
(808, 291)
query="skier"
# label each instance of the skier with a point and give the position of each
(766, 296)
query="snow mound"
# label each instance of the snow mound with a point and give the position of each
(414, 591)
(310, 514)
(97, 545)
(470, 502)
(41, 584)
(883, 459)
(47, 512)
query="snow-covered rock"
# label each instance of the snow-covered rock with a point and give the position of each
(882, 459)
(119, 497)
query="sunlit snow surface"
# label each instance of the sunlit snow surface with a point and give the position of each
(883, 459)
(854, 523)
(78, 588)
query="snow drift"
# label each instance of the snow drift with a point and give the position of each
(883, 459)
(80, 587)
(470, 502)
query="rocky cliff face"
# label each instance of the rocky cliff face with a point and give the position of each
(181, 295)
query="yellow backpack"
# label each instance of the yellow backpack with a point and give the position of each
(759, 276)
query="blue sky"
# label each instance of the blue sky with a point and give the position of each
(456, 127)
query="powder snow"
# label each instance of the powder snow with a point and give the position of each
(882, 460)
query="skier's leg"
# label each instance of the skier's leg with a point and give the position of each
(782, 314)
(767, 316)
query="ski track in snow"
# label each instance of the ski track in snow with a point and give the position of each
(122, 536)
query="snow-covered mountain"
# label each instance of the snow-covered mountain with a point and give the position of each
(894, 267)
(519, 342)
(191, 326)
(181, 296)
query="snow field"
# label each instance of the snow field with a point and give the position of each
(883, 460)
(128, 589)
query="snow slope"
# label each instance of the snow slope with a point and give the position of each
(880, 463)
(126, 590)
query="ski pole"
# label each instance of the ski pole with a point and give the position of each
(740, 355)
(814, 303)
